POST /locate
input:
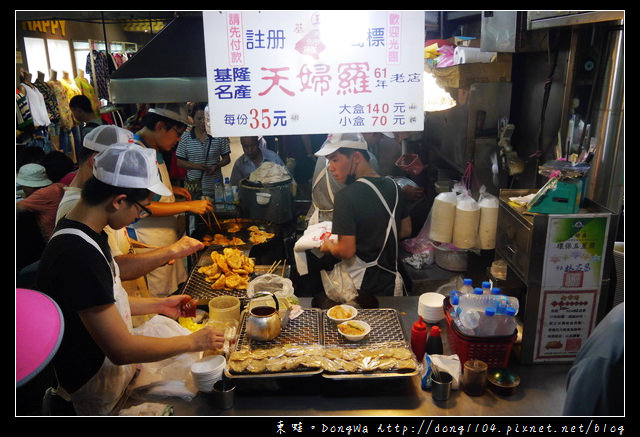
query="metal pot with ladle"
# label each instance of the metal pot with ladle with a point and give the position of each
(264, 322)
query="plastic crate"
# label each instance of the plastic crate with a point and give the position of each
(495, 351)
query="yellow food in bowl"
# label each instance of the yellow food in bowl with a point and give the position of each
(350, 328)
(338, 312)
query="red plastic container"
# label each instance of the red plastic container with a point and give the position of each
(495, 351)
(410, 163)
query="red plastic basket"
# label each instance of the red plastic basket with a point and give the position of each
(495, 351)
(411, 163)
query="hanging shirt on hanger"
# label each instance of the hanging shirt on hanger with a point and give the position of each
(60, 93)
(37, 105)
(99, 73)
(49, 100)
(87, 90)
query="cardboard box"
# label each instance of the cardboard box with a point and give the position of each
(463, 75)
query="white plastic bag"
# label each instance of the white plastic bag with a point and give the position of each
(442, 216)
(488, 225)
(276, 284)
(467, 219)
(338, 284)
(170, 377)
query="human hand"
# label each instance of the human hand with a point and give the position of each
(182, 192)
(200, 206)
(210, 169)
(186, 246)
(208, 338)
(173, 306)
(412, 193)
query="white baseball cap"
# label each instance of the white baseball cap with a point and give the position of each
(103, 136)
(175, 111)
(33, 175)
(129, 165)
(337, 141)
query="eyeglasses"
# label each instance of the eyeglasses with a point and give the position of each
(178, 131)
(144, 212)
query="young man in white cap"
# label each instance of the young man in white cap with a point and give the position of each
(133, 266)
(163, 125)
(97, 355)
(369, 218)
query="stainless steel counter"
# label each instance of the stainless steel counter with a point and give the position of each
(541, 392)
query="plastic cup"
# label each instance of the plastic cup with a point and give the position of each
(224, 308)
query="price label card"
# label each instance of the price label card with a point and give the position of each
(314, 72)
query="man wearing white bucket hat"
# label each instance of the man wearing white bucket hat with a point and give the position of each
(97, 356)
(369, 218)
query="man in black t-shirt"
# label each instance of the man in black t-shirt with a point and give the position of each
(94, 361)
(361, 217)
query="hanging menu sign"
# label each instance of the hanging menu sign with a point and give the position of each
(314, 72)
(572, 276)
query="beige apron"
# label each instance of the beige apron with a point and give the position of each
(101, 393)
(356, 267)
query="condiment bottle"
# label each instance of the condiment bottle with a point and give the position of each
(419, 339)
(434, 343)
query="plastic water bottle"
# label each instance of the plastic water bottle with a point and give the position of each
(472, 306)
(487, 323)
(454, 300)
(228, 195)
(486, 287)
(496, 290)
(506, 323)
(467, 286)
(218, 193)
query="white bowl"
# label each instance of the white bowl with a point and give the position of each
(348, 308)
(430, 307)
(357, 337)
(208, 365)
(263, 198)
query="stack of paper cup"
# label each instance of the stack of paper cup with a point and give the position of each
(207, 371)
(430, 307)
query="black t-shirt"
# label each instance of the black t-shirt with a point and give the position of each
(74, 274)
(358, 211)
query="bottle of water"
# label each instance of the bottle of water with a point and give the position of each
(471, 306)
(496, 290)
(506, 323)
(454, 300)
(486, 287)
(487, 323)
(218, 194)
(467, 286)
(228, 195)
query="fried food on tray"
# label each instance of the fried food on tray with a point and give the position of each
(229, 270)
(292, 357)
(259, 236)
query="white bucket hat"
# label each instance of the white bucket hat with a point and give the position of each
(337, 141)
(33, 175)
(128, 165)
(103, 136)
(175, 111)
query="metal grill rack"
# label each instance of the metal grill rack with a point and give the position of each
(304, 329)
(385, 328)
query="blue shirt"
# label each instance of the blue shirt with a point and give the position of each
(244, 166)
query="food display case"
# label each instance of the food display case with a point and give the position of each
(564, 261)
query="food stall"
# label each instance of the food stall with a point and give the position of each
(311, 364)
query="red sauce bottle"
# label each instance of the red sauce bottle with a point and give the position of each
(419, 339)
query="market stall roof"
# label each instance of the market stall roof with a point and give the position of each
(169, 68)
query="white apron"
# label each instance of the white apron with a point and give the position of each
(99, 395)
(315, 216)
(356, 267)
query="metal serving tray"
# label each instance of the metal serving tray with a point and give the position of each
(304, 329)
(314, 327)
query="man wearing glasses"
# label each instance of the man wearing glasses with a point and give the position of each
(162, 127)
